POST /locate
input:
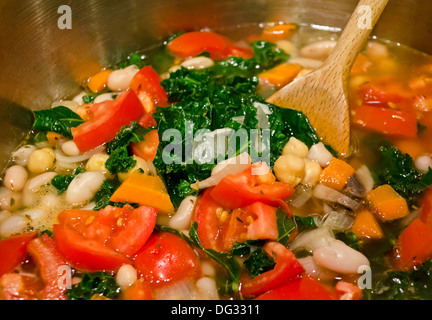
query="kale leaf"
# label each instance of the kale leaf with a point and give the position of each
(103, 195)
(59, 119)
(403, 285)
(398, 170)
(61, 182)
(259, 262)
(98, 283)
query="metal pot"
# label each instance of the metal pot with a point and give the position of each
(48, 48)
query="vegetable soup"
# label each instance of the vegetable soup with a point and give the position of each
(170, 177)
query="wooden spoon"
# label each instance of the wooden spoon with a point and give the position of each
(323, 94)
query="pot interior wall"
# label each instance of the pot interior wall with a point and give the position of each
(42, 63)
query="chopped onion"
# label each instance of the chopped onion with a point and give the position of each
(337, 220)
(60, 156)
(328, 194)
(221, 170)
(319, 152)
(313, 239)
(301, 197)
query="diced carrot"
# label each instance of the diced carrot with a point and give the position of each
(98, 82)
(387, 204)
(53, 137)
(281, 75)
(146, 190)
(414, 245)
(361, 65)
(279, 32)
(336, 174)
(366, 226)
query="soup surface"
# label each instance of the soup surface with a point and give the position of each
(170, 177)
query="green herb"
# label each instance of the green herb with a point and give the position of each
(41, 136)
(119, 158)
(99, 283)
(349, 238)
(140, 60)
(398, 170)
(285, 226)
(304, 223)
(102, 197)
(259, 262)
(59, 119)
(61, 182)
(403, 285)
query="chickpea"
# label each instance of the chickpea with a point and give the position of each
(41, 160)
(15, 178)
(295, 147)
(289, 168)
(97, 163)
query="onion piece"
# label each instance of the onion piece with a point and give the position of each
(364, 176)
(301, 197)
(319, 152)
(60, 156)
(221, 170)
(313, 239)
(337, 220)
(325, 193)
(181, 290)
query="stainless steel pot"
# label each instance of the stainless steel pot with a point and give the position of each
(42, 62)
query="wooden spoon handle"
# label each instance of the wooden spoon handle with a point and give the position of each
(355, 34)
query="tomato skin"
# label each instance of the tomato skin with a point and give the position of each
(108, 118)
(14, 286)
(303, 288)
(371, 94)
(287, 268)
(253, 222)
(135, 232)
(166, 258)
(146, 149)
(414, 245)
(49, 260)
(387, 121)
(13, 251)
(146, 85)
(90, 255)
(191, 44)
(245, 188)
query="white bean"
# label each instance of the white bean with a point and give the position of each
(79, 98)
(307, 63)
(182, 219)
(315, 271)
(339, 257)
(50, 200)
(34, 184)
(4, 214)
(318, 50)
(197, 63)
(70, 104)
(33, 214)
(13, 225)
(207, 289)
(84, 186)
(106, 97)
(376, 51)
(70, 148)
(15, 178)
(288, 47)
(126, 275)
(9, 200)
(22, 155)
(423, 162)
(119, 80)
